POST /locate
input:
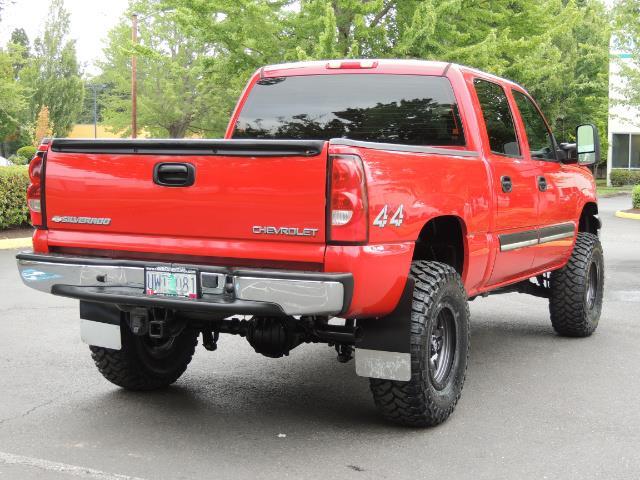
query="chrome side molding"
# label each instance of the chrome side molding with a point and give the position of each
(528, 238)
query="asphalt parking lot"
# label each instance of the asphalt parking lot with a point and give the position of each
(534, 405)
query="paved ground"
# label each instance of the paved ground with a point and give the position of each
(534, 405)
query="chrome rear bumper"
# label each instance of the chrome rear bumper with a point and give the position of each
(223, 290)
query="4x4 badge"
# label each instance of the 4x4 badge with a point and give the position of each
(383, 216)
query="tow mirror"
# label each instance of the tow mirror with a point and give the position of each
(588, 144)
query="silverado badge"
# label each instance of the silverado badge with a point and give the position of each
(87, 220)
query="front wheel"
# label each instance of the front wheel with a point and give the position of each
(144, 363)
(439, 351)
(577, 289)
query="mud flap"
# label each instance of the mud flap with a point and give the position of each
(385, 348)
(100, 325)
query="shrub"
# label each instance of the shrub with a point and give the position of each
(635, 196)
(13, 196)
(25, 154)
(620, 177)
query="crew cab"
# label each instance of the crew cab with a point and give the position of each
(357, 203)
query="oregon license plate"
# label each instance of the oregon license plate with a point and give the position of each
(171, 281)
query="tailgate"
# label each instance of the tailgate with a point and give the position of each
(241, 189)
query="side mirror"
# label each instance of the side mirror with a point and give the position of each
(588, 144)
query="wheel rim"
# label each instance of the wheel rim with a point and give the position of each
(593, 280)
(442, 346)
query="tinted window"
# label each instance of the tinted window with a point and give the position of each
(635, 151)
(406, 109)
(497, 118)
(541, 143)
(620, 150)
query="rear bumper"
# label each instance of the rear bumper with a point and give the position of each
(231, 291)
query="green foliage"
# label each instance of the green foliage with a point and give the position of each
(13, 196)
(635, 196)
(25, 154)
(621, 177)
(557, 49)
(626, 22)
(20, 49)
(53, 74)
(178, 94)
(12, 98)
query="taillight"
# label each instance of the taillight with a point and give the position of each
(34, 191)
(348, 209)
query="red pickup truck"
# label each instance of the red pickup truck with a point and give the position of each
(357, 203)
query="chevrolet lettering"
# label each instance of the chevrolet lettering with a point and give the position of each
(286, 231)
(359, 204)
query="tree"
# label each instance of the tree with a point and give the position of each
(20, 48)
(558, 49)
(189, 71)
(175, 95)
(238, 36)
(44, 127)
(12, 99)
(564, 65)
(53, 75)
(627, 38)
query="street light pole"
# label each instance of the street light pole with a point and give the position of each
(134, 80)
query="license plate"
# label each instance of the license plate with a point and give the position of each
(172, 282)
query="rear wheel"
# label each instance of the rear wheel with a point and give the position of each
(145, 363)
(439, 351)
(577, 289)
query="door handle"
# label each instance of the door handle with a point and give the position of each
(174, 174)
(506, 183)
(542, 184)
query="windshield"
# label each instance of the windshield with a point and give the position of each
(403, 109)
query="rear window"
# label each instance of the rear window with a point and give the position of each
(403, 109)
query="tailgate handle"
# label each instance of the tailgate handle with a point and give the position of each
(174, 174)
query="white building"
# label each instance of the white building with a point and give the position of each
(624, 123)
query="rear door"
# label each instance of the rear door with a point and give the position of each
(558, 192)
(514, 185)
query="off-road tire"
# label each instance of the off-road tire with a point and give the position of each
(139, 366)
(419, 402)
(575, 303)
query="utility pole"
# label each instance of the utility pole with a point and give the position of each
(134, 80)
(95, 88)
(95, 111)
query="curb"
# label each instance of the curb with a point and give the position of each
(12, 243)
(632, 216)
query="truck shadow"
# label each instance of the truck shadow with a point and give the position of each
(311, 390)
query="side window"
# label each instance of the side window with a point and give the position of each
(497, 118)
(541, 143)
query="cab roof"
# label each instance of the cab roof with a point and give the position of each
(389, 66)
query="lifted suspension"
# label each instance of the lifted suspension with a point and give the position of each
(270, 336)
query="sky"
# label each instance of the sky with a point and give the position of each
(91, 20)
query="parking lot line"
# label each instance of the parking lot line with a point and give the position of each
(73, 470)
(10, 243)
